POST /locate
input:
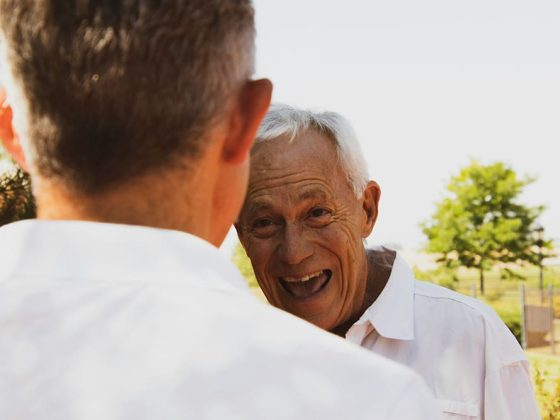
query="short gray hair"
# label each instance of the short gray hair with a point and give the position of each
(285, 120)
(112, 90)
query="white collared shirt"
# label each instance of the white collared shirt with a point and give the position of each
(101, 321)
(462, 349)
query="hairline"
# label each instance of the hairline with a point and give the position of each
(284, 120)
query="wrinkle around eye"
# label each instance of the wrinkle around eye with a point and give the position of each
(261, 223)
(263, 228)
(319, 212)
(320, 217)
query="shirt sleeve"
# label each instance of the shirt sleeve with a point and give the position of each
(415, 402)
(509, 394)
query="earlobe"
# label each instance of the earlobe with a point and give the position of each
(371, 196)
(8, 137)
(252, 106)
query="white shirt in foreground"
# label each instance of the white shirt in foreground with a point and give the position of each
(101, 321)
(462, 349)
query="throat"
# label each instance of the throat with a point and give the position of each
(342, 329)
(379, 268)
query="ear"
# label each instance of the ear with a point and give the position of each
(8, 137)
(370, 207)
(253, 102)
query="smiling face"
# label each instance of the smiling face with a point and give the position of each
(302, 227)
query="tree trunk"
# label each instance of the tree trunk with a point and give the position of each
(481, 271)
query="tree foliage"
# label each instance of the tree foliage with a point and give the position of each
(243, 263)
(480, 222)
(16, 199)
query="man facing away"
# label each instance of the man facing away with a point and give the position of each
(135, 119)
(309, 207)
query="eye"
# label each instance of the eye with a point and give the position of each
(261, 223)
(319, 217)
(263, 227)
(319, 212)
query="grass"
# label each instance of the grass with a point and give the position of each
(545, 371)
(546, 363)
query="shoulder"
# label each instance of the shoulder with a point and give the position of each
(473, 316)
(307, 364)
(457, 302)
(208, 345)
(371, 382)
(433, 292)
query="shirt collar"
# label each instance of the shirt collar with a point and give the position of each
(123, 253)
(392, 313)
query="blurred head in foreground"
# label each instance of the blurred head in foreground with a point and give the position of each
(133, 112)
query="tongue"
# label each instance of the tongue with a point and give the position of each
(303, 289)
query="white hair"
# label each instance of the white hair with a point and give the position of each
(285, 120)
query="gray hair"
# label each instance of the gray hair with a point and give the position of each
(285, 120)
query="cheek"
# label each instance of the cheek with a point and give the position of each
(351, 229)
(260, 255)
(344, 241)
(346, 244)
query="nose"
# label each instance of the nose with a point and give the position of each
(294, 247)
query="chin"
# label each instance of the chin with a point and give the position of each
(319, 317)
(323, 323)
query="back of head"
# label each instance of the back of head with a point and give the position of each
(112, 89)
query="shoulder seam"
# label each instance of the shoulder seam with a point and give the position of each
(474, 306)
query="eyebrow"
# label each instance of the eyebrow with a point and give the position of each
(313, 193)
(264, 205)
(257, 206)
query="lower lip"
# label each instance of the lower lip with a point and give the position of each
(303, 296)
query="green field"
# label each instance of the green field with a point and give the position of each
(545, 370)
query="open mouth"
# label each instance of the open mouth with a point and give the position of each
(306, 286)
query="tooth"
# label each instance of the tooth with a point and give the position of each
(302, 279)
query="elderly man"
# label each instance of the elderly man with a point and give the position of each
(135, 119)
(308, 210)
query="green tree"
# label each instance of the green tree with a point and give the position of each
(243, 263)
(480, 222)
(16, 199)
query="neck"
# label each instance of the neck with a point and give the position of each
(379, 265)
(166, 201)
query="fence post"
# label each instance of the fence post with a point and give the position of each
(473, 290)
(523, 326)
(551, 305)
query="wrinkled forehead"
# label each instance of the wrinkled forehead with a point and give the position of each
(287, 171)
(310, 149)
